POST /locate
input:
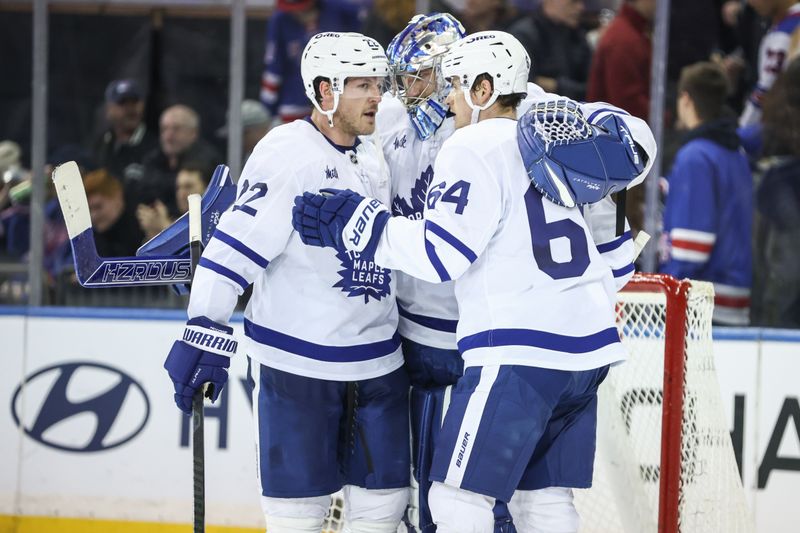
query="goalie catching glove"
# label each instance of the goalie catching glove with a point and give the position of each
(340, 219)
(574, 162)
(202, 356)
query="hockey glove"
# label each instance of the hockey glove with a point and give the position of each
(572, 162)
(202, 356)
(340, 219)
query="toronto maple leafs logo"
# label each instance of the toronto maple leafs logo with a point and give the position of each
(331, 173)
(363, 278)
(400, 142)
(419, 191)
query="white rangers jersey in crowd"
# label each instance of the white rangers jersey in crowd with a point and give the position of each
(772, 60)
(531, 286)
(313, 312)
(428, 311)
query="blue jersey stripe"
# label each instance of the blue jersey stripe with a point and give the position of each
(451, 240)
(224, 271)
(616, 243)
(539, 339)
(241, 248)
(430, 249)
(320, 352)
(439, 324)
(616, 110)
(624, 270)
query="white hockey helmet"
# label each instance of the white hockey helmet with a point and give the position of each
(496, 53)
(338, 56)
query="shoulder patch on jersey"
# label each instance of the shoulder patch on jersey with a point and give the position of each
(363, 278)
(419, 191)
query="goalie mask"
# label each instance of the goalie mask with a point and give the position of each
(496, 53)
(414, 57)
(336, 57)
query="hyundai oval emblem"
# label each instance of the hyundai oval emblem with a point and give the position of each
(80, 407)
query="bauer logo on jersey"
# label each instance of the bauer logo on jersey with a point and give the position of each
(414, 211)
(363, 278)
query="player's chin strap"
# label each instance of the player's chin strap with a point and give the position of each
(476, 109)
(329, 113)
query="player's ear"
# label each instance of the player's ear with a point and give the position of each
(326, 94)
(482, 91)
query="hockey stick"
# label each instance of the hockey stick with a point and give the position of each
(198, 437)
(163, 260)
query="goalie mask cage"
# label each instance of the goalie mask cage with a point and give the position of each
(664, 461)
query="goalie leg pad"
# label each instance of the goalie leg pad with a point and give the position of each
(427, 410)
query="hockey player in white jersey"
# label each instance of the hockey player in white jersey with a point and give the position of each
(412, 125)
(536, 300)
(412, 128)
(330, 396)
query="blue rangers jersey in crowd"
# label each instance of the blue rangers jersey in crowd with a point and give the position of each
(708, 218)
(772, 60)
(531, 286)
(428, 311)
(313, 312)
(282, 90)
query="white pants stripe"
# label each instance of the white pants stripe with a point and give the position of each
(469, 425)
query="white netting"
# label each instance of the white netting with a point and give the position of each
(559, 121)
(625, 495)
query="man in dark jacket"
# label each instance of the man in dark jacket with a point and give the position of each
(560, 53)
(123, 146)
(709, 210)
(179, 137)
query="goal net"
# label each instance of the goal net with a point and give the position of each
(664, 461)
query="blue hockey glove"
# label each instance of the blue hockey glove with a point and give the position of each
(202, 356)
(572, 162)
(340, 219)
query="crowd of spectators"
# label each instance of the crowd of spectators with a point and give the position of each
(728, 59)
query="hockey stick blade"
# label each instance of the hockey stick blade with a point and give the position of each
(218, 197)
(95, 271)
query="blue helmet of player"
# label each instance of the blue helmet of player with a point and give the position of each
(414, 56)
(572, 162)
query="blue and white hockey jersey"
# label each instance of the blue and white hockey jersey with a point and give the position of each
(772, 60)
(531, 286)
(708, 219)
(313, 312)
(428, 311)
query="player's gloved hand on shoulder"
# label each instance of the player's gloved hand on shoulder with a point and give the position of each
(202, 356)
(340, 219)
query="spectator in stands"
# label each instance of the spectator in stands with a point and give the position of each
(387, 18)
(620, 75)
(116, 232)
(291, 25)
(554, 39)
(122, 147)
(708, 213)
(785, 18)
(776, 290)
(476, 15)
(256, 122)
(192, 178)
(179, 141)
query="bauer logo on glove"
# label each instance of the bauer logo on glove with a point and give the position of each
(574, 162)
